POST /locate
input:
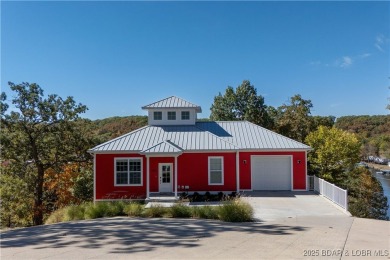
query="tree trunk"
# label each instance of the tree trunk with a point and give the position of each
(38, 205)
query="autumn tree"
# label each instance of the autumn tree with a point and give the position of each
(243, 103)
(334, 152)
(43, 132)
(365, 192)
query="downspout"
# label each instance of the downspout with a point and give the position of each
(176, 166)
(307, 179)
(147, 177)
(94, 178)
(238, 170)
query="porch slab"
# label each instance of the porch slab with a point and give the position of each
(162, 204)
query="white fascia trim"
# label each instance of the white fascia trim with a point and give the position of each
(161, 154)
(272, 150)
(117, 152)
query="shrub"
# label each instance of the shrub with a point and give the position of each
(207, 196)
(196, 197)
(156, 211)
(220, 195)
(103, 209)
(235, 211)
(183, 195)
(74, 212)
(134, 209)
(116, 208)
(180, 211)
(207, 212)
(57, 216)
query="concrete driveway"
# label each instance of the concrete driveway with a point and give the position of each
(279, 205)
(136, 238)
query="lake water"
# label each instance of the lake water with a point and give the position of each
(385, 180)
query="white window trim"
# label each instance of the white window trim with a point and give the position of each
(222, 170)
(128, 171)
(154, 115)
(171, 112)
(185, 119)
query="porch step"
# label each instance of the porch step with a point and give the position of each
(160, 204)
(161, 197)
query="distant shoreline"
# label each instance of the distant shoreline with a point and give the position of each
(378, 166)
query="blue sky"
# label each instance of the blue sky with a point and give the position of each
(115, 57)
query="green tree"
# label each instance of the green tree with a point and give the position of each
(327, 121)
(294, 118)
(334, 152)
(240, 104)
(83, 188)
(42, 131)
(16, 200)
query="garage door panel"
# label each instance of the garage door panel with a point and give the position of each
(271, 172)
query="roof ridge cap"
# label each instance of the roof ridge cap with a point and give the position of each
(156, 102)
(173, 144)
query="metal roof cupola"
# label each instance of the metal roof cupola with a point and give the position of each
(172, 111)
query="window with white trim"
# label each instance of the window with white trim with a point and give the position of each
(185, 115)
(157, 115)
(215, 170)
(171, 115)
(128, 171)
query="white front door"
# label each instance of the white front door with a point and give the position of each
(165, 177)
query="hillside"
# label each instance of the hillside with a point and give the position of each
(111, 127)
(374, 131)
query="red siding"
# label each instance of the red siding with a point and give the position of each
(299, 169)
(105, 188)
(193, 171)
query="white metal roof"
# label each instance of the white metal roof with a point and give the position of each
(163, 147)
(249, 136)
(204, 136)
(173, 102)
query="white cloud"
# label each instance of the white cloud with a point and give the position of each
(364, 55)
(346, 61)
(342, 62)
(380, 42)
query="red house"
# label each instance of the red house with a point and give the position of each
(175, 153)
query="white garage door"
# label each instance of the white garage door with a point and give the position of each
(271, 172)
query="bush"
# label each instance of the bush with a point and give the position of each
(104, 209)
(235, 211)
(134, 209)
(196, 197)
(207, 212)
(207, 196)
(156, 211)
(183, 195)
(180, 211)
(74, 212)
(57, 216)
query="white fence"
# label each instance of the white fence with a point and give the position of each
(329, 191)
